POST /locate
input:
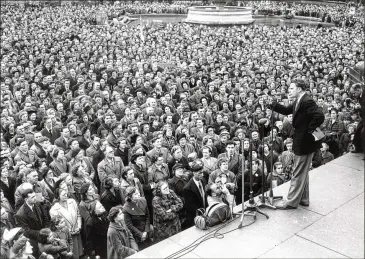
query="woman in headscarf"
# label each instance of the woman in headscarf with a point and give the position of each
(137, 217)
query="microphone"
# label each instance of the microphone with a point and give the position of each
(263, 121)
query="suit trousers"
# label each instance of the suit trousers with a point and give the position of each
(299, 184)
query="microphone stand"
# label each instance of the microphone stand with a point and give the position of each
(251, 209)
(262, 197)
(270, 199)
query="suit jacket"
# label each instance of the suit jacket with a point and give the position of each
(60, 167)
(31, 223)
(193, 200)
(137, 218)
(9, 190)
(106, 169)
(53, 135)
(306, 118)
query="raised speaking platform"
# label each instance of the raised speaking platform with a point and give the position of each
(331, 227)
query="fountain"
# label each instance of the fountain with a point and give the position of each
(219, 14)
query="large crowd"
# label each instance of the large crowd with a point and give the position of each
(112, 137)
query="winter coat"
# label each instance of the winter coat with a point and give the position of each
(121, 243)
(165, 223)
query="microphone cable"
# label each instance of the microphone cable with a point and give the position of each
(212, 234)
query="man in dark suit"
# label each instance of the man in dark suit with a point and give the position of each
(32, 218)
(63, 141)
(194, 193)
(307, 116)
(52, 133)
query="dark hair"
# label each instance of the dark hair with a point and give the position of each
(19, 141)
(335, 110)
(276, 164)
(55, 152)
(134, 157)
(125, 172)
(108, 183)
(155, 157)
(113, 213)
(74, 170)
(229, 142)
(205, 140)
(208, 189)
(84, 129)
(57, 193)
(26, 192)
(43, 235)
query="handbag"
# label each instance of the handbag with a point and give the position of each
(216, 213)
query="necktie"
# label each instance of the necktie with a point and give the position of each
(201, 192)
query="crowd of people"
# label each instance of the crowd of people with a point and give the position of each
(341, 15)
(112, 138)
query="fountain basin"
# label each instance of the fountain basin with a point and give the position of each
(219, 15)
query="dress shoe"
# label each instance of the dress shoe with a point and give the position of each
(283, 206)
(304, 203)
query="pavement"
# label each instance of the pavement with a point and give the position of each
(331, 227)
